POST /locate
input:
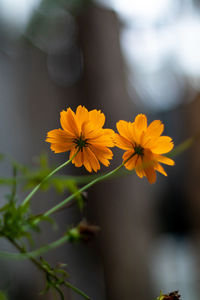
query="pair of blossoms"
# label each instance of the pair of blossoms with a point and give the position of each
(83, 135)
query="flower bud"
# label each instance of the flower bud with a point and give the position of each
(171, 296)
(83, 232)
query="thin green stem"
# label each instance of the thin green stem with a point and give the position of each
(76, 290)
(40, 267)
(98, 179)
(49, 247)
(59, 292)
(36, 252)
(30, 195)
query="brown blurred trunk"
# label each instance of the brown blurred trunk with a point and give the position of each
(120, 206)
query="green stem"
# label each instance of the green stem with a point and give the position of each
(40, 267)
(76, 290)
(103, 177)
(49, 247)
(30, 195)
(59, 292)
(36, 252)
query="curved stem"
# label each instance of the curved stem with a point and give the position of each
(48, 247)
(40, 267)
(103, 177)
(59, 292)
(75, 289)
(36, 252)
(30, 195)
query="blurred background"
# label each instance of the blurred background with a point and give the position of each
(123, 57)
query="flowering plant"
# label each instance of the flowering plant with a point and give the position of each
(89, 144)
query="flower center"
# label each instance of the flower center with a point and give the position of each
(81, 142)
(139, 150)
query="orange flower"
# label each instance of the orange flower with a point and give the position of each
(145, 146)
(82, 131)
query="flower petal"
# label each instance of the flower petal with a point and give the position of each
(68, 122)
(122, 143)
(59, 148)
(103, 139)
(60, 140)
(165, 160)
(81, 116)
(102, 153)
(136, 134)
(129, 131)
(78, 159)
(141, 122)
(131, 163)
(122, 127)
(72, 153)
(150, 174)
(140, 173)
(162, 145)
(90, 160)
(89, 131)
(155, 128)
(160, 169)
(97, 117)
(145, 165)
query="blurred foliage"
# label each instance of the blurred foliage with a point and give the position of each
(17, 221)
(55, 277)
(3, 296)
(28, 178)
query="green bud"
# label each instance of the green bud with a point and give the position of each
(74, 234)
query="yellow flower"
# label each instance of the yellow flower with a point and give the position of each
(145, 146)
(82, 131)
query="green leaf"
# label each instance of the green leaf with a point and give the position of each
(43, 161)
(17, 222)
